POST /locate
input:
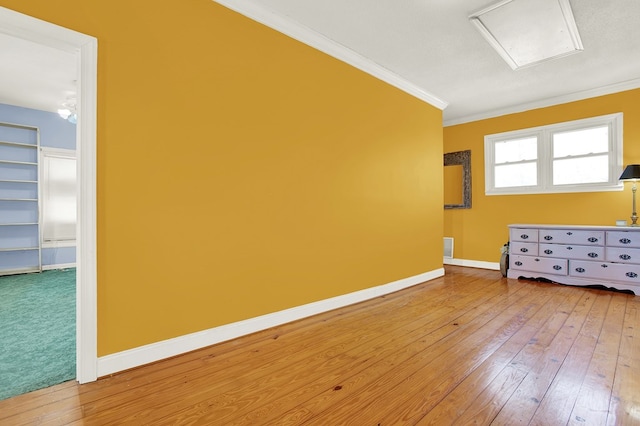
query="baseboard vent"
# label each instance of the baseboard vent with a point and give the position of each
(448, 247)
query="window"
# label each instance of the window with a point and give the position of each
(576, 156)
(58, 197)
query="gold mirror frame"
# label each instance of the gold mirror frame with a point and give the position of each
(461, 158)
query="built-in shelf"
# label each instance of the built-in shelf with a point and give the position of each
(20, 215)
(20, 249)
(25, 145)
(18, 181)
(22, 163)
(18, 271)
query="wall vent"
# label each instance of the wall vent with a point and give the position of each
(448, 247)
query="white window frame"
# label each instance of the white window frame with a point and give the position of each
(545, 157)
(57, 153)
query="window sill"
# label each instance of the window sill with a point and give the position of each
(564, 190)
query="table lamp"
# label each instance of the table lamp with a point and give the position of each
(632, 172)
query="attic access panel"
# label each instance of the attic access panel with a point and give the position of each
(527, 32)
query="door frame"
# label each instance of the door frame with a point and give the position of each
(85, 48)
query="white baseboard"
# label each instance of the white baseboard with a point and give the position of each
(58, 266)
(146, 354)
(472, 263)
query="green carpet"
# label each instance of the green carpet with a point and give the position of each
(37, 331)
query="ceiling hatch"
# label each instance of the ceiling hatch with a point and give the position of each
(527, 32)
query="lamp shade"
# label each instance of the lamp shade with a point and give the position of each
(632, 171)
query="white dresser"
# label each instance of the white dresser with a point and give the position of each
(577, 255)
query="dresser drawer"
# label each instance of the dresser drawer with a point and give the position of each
(605, 271)
(623, 239)
(623, 255)
(523, 234)
(572, 236)
(538, 264)
(571, 251)
(518, 247)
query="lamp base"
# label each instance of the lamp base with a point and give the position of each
(634, 214)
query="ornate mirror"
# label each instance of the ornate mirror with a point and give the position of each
(457, 180)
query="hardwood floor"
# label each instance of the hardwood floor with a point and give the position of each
(468, 348)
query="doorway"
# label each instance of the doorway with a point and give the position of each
(85, 48)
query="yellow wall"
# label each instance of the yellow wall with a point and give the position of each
(481, 231)
(241, 172)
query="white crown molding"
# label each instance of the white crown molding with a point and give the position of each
(558, 100)
(146, 354)
(259, 13)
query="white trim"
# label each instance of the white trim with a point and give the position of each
(61, 152)
(86, 50)
(58, 266)
(86, 252)
(131, 358)
(259, 13)
(472, 263)
(38, 31)
(557, 100)
(567, 189)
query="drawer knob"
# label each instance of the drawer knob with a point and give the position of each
(569, 233)
(518, 263)
(524, 249)
(580, 270)
(624, 240)
(592, 255)
(631, 274)
(548, 237)
(625, 257)
(524, 236)
(557, 267)
(604, 265)
(592, 239)
(569, 248)
(537, 260)
(547, 251)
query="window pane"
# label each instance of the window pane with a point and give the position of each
(581, 155)
(516, 175)
(581, 142)
(581, 170)
(516, 150)
(59, 198)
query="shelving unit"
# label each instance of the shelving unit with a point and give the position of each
(20, 248)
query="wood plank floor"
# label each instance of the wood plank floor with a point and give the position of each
(469, 348)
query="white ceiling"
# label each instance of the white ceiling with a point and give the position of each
(432, 45)
(35, 76)
(428, 45)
